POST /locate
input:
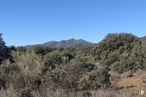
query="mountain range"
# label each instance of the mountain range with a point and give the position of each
(65, 43)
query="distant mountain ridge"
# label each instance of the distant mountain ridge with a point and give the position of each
(65, 43)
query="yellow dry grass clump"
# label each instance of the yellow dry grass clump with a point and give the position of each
(29, 63)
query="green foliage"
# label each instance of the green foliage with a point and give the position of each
(4, 50)
(121, 52)
(100, 78)
(68, 76)
(42, 50)
(21, 49)
(51, 60)
(114, 42)
(88, 67)
(131, 61)
(66, 56)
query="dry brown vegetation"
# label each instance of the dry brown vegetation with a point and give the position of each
(60, 93)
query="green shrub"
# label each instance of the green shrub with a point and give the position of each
(4, 50)
(100, 78)
(52, 60)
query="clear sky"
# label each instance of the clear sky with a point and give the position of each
(25, 22)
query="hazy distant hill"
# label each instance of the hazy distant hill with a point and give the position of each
(144, 37)
(65, 43)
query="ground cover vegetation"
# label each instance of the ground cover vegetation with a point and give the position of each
(71, 71)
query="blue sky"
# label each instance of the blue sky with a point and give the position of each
(25, 22)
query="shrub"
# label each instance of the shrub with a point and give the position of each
(112, 42)
(28, 62)
(100, 78)
(52, 60)
(4, 50)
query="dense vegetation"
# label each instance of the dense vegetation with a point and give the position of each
(82, 68)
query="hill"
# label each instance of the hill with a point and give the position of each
(64, 43)
(68, 43)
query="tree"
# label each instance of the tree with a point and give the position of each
(4, 50)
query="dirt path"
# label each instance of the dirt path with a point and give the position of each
(134, 83)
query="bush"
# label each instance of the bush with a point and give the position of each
(7, 72)
(42, 49)
(112, 42)
(52, 60)
(28, 62)
(121, 52)
(4, 50)
(100, 78)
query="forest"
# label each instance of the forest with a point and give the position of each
(104, 69)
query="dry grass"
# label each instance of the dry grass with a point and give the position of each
(29, 63)
(112, 93)
(8, 93)
(60, 93)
